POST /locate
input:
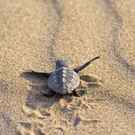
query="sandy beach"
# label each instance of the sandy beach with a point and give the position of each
(35, 33)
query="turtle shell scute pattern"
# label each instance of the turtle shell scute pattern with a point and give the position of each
(63, 80)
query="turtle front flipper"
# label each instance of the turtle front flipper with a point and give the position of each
(36, 74)
(40, 74)
(85, 65)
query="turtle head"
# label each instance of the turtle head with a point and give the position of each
(60, 63)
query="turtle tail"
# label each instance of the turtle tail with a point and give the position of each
(78, 69)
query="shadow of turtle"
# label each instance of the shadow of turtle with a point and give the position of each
(38, 86)
(36, 99)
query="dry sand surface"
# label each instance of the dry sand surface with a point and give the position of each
(34, 33)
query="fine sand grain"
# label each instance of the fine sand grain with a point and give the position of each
(35, 33)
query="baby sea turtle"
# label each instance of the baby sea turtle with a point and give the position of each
(63, 80)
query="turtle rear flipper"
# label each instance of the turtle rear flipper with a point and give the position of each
(78, 69)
